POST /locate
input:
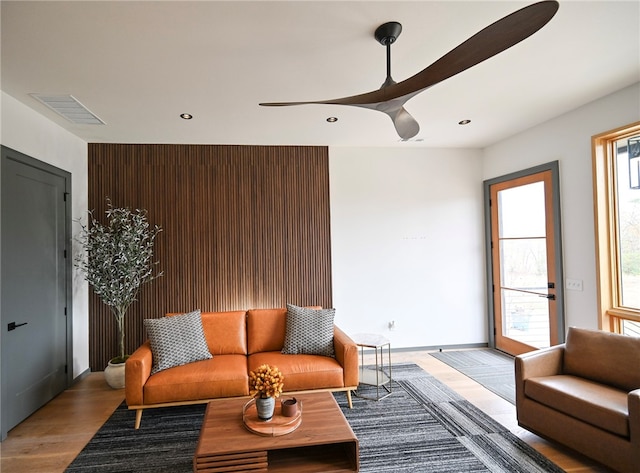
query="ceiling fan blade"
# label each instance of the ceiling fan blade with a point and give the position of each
(488, 42)
(485, 44)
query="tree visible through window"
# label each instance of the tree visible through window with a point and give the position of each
(616, 157)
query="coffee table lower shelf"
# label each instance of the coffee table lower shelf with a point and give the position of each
(338, 458)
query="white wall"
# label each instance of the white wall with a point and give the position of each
(567, 139)
(407, 244)
(28, 132)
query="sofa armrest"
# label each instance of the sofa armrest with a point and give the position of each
(137, 371)
(544, 362)
(347, 355)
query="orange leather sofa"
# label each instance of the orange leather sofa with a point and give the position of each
(585, 394)
(239, 341)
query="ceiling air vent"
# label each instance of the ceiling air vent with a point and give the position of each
(69, 107)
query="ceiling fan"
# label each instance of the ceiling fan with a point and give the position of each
(493, 39)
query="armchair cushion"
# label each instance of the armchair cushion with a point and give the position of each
(609, 358)
(176, 340)
(597, 404)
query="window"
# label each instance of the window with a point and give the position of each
(616, 158)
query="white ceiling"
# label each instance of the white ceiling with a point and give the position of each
(139, 65)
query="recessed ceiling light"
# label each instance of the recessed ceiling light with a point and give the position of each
(186, 116)
(464, 122)
(332, 119)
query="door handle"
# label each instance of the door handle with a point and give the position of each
(13, 325)
(548, 296)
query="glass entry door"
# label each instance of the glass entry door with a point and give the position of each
(526, 284)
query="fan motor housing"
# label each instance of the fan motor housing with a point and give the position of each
(388, 32)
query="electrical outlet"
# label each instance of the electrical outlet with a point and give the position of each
(392, 325)
(573, 284)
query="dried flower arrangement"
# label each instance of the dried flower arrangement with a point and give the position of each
(266, 381)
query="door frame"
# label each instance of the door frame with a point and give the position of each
(16, 156)
(557, 244)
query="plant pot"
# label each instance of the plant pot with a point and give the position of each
(265, 407)
(114, 375)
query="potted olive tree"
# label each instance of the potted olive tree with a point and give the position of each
(117, 259)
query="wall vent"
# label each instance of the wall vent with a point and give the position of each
(70, 108)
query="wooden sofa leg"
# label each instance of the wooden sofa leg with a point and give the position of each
(138, 418)
(349, 399)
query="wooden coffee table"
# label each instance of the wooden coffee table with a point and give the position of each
(324, 441)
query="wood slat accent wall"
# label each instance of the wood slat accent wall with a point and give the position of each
(243, 227)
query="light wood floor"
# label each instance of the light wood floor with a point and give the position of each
(51, 438)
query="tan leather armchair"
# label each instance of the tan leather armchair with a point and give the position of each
(585, 394)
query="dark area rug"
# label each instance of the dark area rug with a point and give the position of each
(491, 368)
(422, 427)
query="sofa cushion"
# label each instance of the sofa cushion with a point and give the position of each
(309, 331)
(597, 404)
(605, 357)
(176, 340)
(225, 332)
(265, 329)
(220, 376)
(302, 372)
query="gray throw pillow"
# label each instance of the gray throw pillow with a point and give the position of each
(309, 331)
(176, 340)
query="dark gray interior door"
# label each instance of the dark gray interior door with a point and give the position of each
(33, 286)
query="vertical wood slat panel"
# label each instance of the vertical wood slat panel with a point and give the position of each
(243, 227)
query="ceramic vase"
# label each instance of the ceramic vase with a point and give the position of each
(114, 375)
(265, 407)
